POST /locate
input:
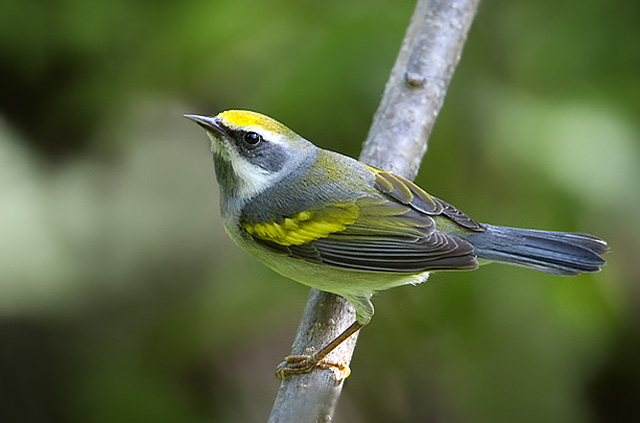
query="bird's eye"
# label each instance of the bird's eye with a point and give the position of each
(252, 138)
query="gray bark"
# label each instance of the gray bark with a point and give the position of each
(396, 141)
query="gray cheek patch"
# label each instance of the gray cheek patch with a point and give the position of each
(270, 157)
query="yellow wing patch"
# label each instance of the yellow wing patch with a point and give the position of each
(245, 118)
(306, 226)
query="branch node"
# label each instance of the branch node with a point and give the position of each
(397, 140)
(414, 80)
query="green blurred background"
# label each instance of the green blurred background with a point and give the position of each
(121, 298)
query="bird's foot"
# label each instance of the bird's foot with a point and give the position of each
(300, 364)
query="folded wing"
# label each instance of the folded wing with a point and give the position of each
(371, 234)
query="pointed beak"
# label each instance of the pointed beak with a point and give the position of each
(209, 123)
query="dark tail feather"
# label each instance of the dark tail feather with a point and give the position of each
(559, 253)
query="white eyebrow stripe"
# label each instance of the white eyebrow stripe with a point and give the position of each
(267, 135)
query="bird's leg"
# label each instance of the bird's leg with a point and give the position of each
(298, 364)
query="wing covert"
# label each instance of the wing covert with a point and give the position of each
(385, 236)
(408, 193)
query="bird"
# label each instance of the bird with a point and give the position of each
(334, 223)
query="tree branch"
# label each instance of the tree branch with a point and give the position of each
(397, 141)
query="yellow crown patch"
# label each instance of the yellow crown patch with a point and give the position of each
(245, 118)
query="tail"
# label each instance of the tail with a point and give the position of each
(558, 253)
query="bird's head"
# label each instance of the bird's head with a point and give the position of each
(252, 151)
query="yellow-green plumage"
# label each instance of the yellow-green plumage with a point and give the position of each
(305, 226)
(336, 224)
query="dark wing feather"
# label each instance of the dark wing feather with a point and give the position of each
(395, 231)
(385, 237)
(406, 192)
(435, 251)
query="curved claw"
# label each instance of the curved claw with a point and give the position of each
(300, 364)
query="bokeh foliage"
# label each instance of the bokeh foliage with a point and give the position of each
(121, 298)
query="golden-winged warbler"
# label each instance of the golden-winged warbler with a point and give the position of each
(336, 224)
